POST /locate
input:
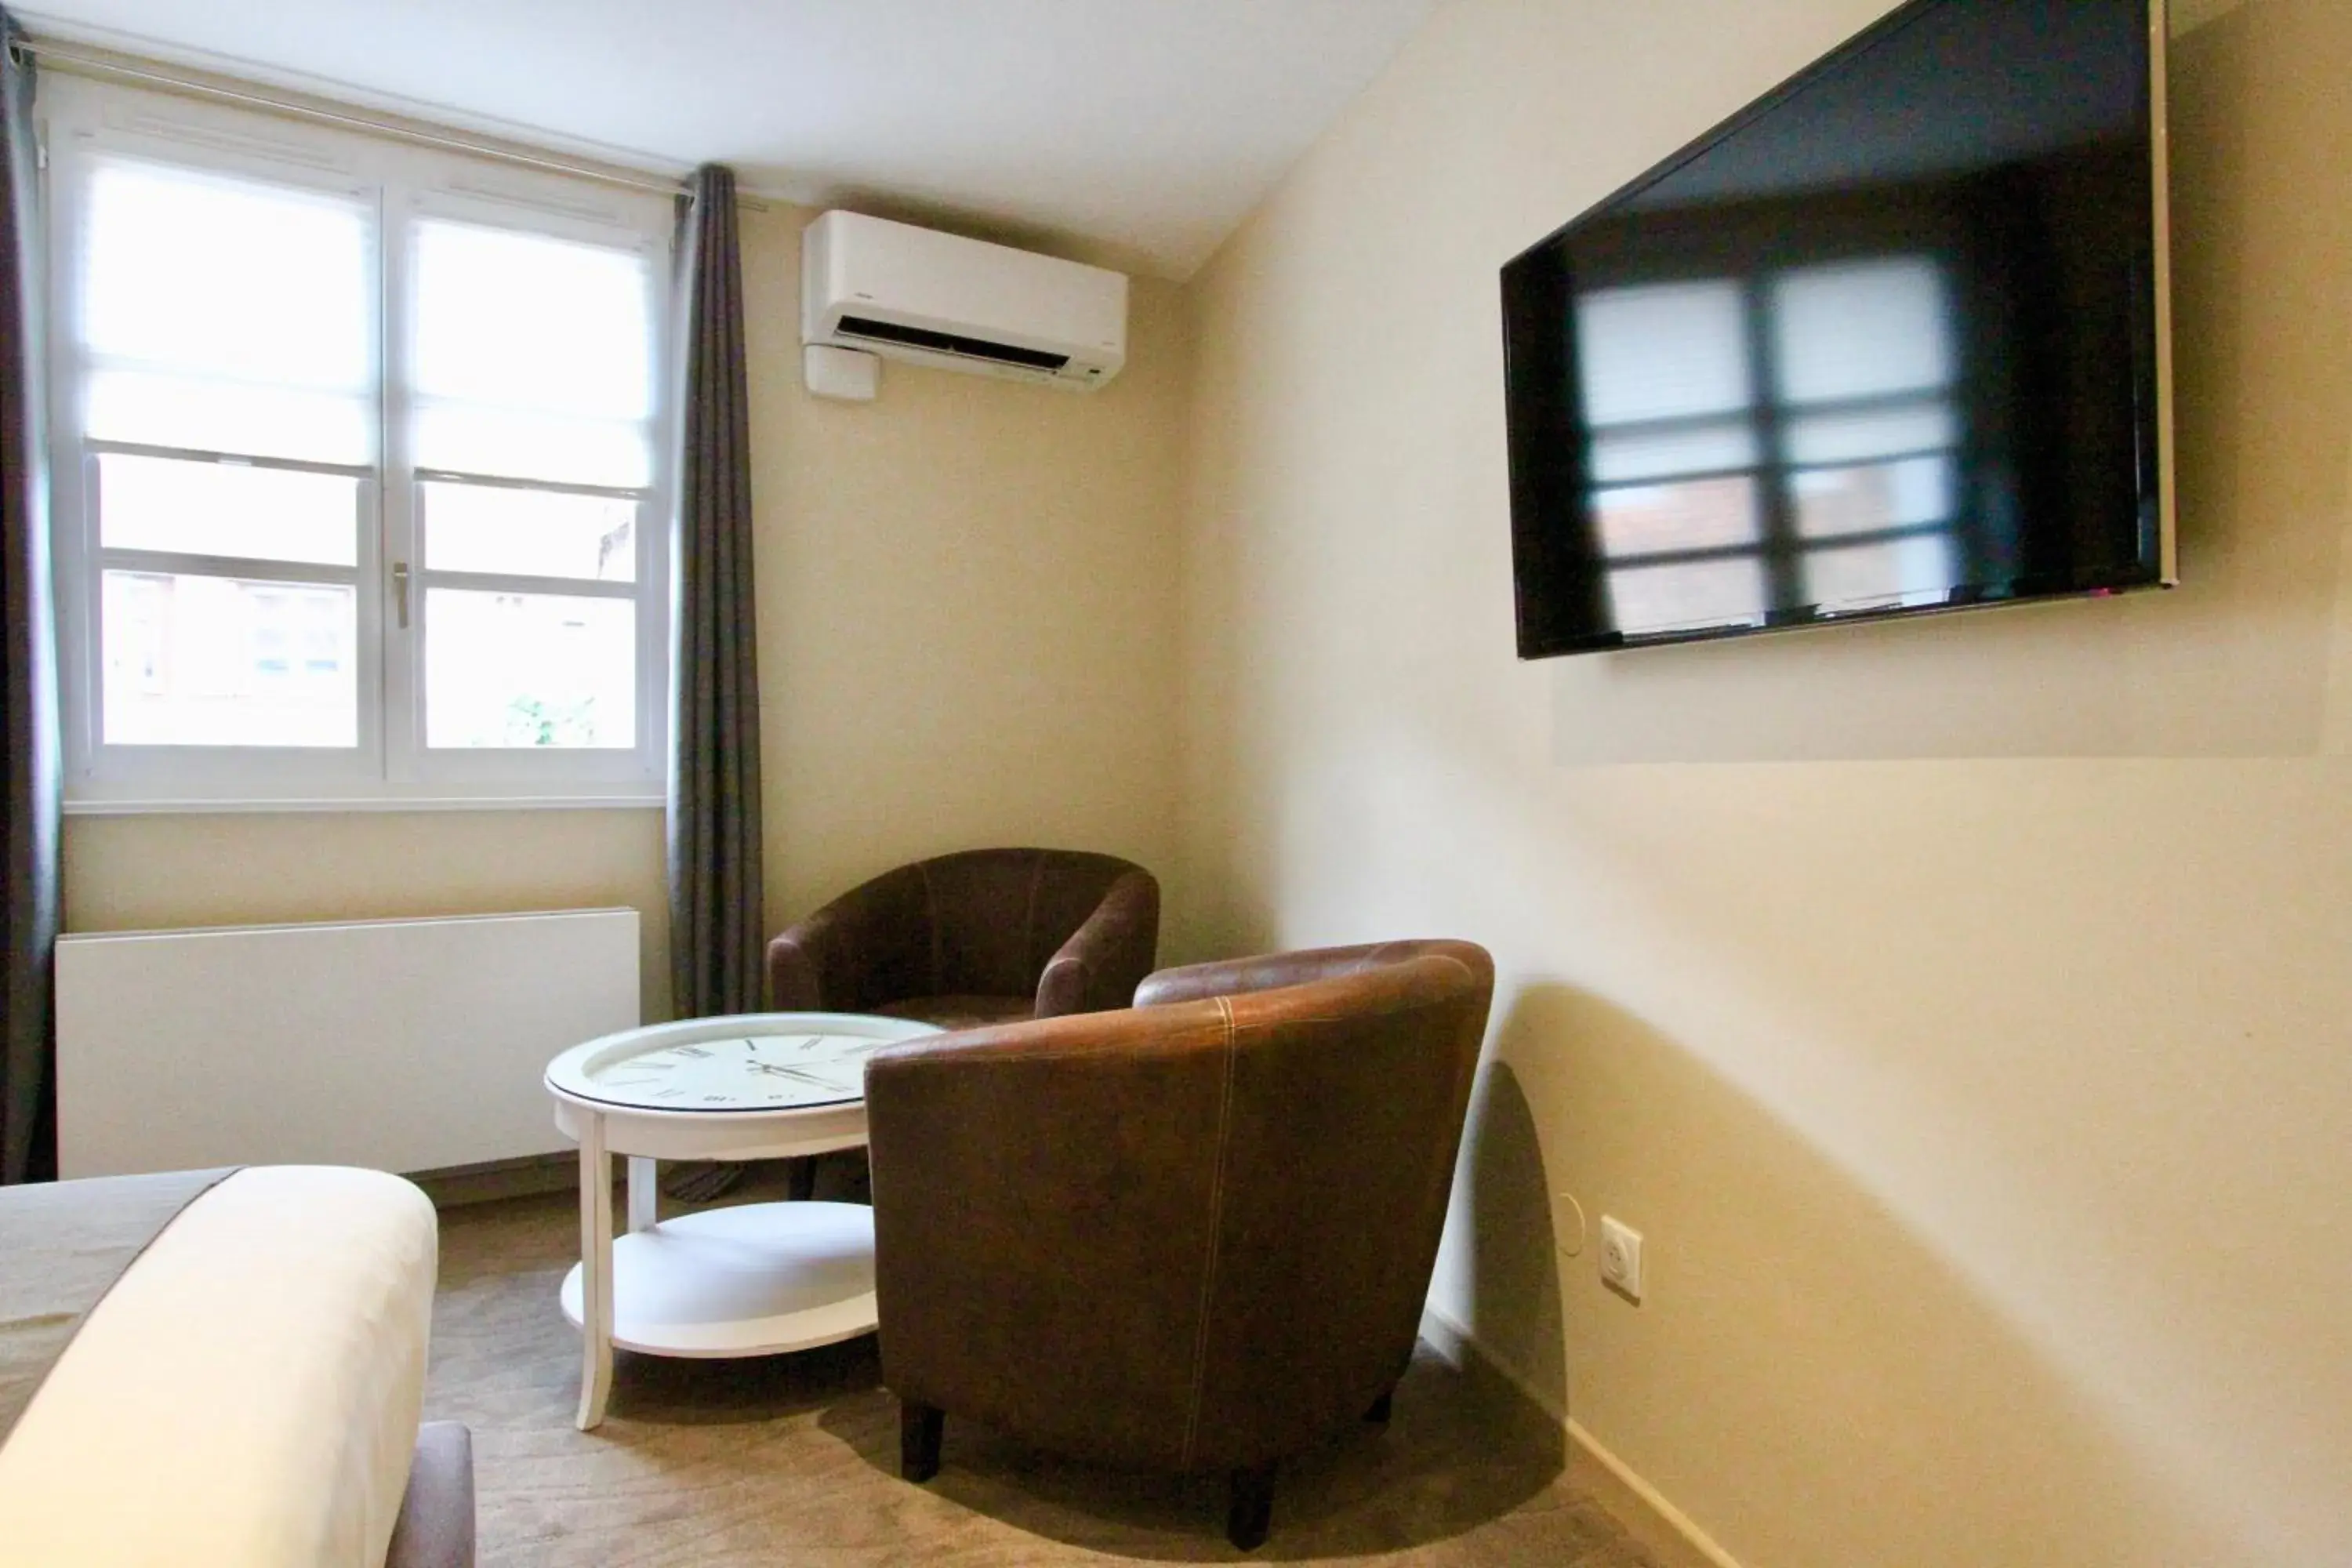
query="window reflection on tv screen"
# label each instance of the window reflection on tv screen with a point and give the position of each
(1886, 344)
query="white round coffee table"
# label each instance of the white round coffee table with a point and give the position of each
(749, 1279)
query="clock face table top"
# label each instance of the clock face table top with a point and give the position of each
(748, 1062)
(751, 1279)
(751, 1085)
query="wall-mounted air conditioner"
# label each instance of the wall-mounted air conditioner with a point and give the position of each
(936, 298)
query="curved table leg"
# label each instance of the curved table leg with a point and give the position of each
(596, 1273)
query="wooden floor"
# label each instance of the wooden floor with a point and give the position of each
(794, 1460)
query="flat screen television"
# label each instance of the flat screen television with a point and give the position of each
(1894, 339)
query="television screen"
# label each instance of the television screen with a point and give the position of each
(1892, 340)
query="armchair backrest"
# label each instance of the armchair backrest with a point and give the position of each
(1194, 1236)
(980, 922)
(999, 915)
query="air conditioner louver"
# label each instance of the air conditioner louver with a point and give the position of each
(935, 299)
(947, 343)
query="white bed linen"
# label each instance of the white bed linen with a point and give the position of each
(246, 1395)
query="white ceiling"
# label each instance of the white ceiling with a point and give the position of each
(1135, 132)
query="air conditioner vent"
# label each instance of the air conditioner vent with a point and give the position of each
(947, 343)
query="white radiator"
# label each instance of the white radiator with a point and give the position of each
(402, 1044)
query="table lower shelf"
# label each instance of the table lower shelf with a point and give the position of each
(751, 1279)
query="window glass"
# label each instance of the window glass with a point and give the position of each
(530, 533)
(530, 671)
(534, 357)
(227, 508)
(194, 660)
(224, 315)
(335, 534)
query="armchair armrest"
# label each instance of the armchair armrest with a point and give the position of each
(1106, 958)
(796, 966)
(1268, 971)
(868, 946)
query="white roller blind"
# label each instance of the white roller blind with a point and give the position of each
(222, 315)
(534, 357)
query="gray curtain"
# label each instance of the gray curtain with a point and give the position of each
(717, 928)
(29, 772)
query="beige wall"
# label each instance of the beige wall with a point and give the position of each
(967, 602)
(1985, 1115)
(967, 624)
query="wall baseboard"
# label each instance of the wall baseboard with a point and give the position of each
(1648, 1515)
(495, 1180)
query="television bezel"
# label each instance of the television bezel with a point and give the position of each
(1527, 524)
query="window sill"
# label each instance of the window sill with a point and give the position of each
(615, 802)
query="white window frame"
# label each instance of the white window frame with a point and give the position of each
(391, 767)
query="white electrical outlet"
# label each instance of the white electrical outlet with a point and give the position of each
(1620, 1257)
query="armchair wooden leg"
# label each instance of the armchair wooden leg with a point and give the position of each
(919, 1426)
(1251, 1514)
(1378, 1413)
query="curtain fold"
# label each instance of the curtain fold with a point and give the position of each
(29, 773)
(717, 926)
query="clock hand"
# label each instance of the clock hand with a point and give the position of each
(780, 1072)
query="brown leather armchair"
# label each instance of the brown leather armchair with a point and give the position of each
(981, 937)
(1192, 1235)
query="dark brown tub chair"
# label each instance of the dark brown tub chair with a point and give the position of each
(984, 937)
(1192, 1235)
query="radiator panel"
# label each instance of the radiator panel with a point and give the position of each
(410, 1044)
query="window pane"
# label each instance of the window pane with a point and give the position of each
(534, 356)
(1865, 499)
(1664, 350)
(528, 533)
(517, 444)
(1855, 438)
(201, 415)
(1687, 596)
(1865, 329)
(1703, 514)
(1912, 570)
(1708, 449)
(227, 508)
(219, 661)
(530, 671)
(227, 315)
